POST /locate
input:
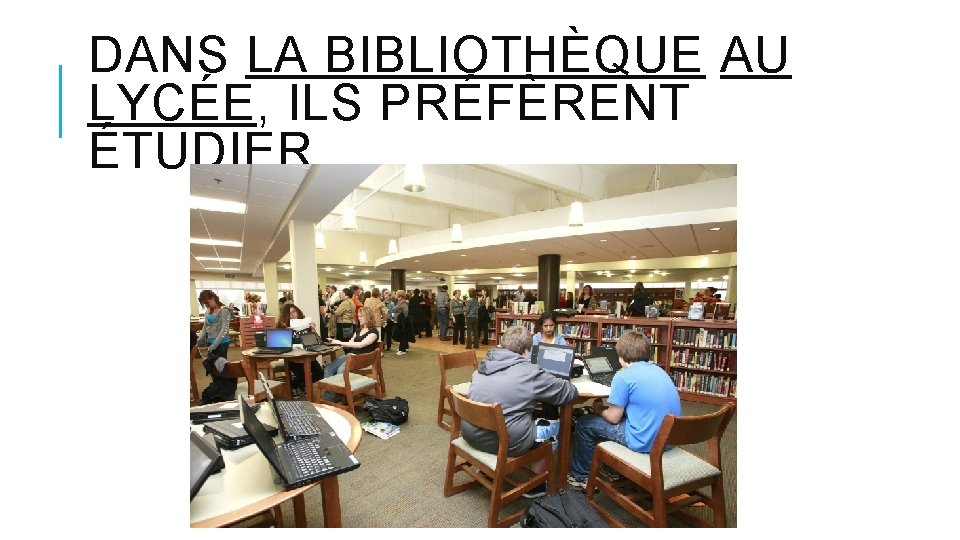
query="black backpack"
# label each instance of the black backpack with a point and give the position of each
(566, 509)
(221, 389)
(394, 410)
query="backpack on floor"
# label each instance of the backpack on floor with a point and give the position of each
(394, 410)
(221, 389)
(566, 509)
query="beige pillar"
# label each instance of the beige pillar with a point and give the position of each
(303, 267)
(450, 282)
(571, 284)
(732, 285)
(271, 287)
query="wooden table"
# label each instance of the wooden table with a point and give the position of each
(253, 361)
(588, 390)
(247, 485)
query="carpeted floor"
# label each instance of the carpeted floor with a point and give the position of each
(400, 481)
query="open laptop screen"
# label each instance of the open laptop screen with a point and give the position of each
(279, 338)
(309, 339)
(555, 359)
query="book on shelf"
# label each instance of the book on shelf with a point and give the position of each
(384, 430)
(721, 311)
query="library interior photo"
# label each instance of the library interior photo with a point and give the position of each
(463, 345)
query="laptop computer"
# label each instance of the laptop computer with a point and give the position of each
(297, 419)
(205, 459)
(302, 461)
(554, 359)
(230, 434)
(215, 412)
(311, 342)
(278, 341)
(602, 364)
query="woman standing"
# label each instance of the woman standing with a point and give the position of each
(403, 324)
(391, 319)
(363, 341)
(586, 298)
(344, 315)
(639, 301)
(459, 322)
(471, 313)
(214, 332)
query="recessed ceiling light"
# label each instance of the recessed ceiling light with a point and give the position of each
(350, 267)
(715, 251)
(366, 271)
(463, 255)
(418, 271)
(726, 277)
(217, 205)
(599, 272)
(221, 259)
(222, 269)
(496, 277)
(212, 242)
(603, 239)
(633, 256)
(418, 260)
(518, 275)
(286, 267)
(714, 228)
(523, 249)
(346, 274)
(329, 269)
(569, 261)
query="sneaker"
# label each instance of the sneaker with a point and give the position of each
(401, 353)
(579, 484)
(609, 474)
(536, 492)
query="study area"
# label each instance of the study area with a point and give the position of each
(423, 283)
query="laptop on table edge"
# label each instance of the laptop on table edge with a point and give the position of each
(277, 341)
(554, 359)
(333, 460)
(602, 364)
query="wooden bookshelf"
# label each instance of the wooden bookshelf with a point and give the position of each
(703, 360)
(700, 356)
(658, 331)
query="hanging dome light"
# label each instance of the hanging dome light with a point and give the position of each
(392, 247)
(456, 233)
(576, 214)
(414, 179)
(349, 219)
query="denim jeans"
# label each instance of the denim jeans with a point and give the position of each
(592, 429)
(443, 322)
(331, 369)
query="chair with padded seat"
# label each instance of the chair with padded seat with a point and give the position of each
(352, 383)
(450, 361)
(496, 472)
(194, 389)
(377, 369)
(673, 479)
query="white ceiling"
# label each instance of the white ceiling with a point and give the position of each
(476, 196)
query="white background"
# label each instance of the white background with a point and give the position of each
(845, 192)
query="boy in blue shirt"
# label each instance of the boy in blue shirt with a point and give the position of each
(641, 394)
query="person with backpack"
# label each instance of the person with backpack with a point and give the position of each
(215, 334)
(637, 307)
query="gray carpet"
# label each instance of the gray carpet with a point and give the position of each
(400, 481)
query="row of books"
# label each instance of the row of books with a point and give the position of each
(690, 358)
(703, 383)
(525, 308)
(575, 330)
(384, 430)
(704, 337)
(615, 331)
(529, 325)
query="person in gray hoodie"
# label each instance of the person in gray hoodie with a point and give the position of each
(507, 377)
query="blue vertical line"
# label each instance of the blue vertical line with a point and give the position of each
(60, 101)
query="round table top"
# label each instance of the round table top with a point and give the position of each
(586, 387)
(246, 486)
(291, 354)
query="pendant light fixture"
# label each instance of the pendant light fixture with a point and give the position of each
(414, 179)
(456, 233)
(575, 219)
(392, 247)
(363, 257)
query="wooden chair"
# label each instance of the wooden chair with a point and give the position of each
(351, 383)
(451, 361)
(671, 478)
(235, 369)
(492, 471)
(377, 369)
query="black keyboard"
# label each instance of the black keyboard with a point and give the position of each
(301, 426)
(295, 408)
(264, 350)
(307, 457)
(605, 379)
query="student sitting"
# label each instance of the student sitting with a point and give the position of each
(507, 377)
(641, 394)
